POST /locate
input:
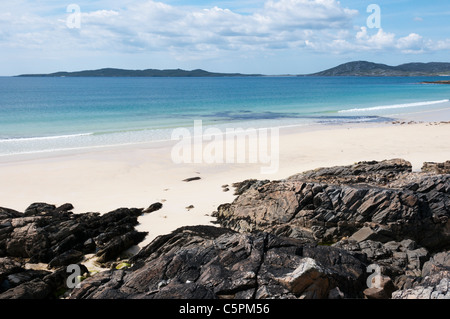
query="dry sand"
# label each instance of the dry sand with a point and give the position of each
(103, 179)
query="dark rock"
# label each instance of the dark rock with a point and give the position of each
(379, 173)
(312, 235)
(153, 208)
(8, 267)
(434, 282)
(64, 208)
(34, 289)
(39, 208)
(241, 187)
(45, 233)
(54, 235)
(209, 262)
(19, 278)
(190, 179)
(437, 168)
(396, 258)
(390, 204)
(119, 244)
(68, 257)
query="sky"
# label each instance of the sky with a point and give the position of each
(271, 37)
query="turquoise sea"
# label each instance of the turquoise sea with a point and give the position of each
(46, 114)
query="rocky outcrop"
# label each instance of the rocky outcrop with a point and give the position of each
(370, 230)
(56, 237)
(208, 262)
(373, 173)
(437, 168)
(434, 283)
(371, 200)
(48, 234)
(381, 213)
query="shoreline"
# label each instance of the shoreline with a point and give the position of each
(137, 175)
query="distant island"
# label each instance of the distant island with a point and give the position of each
(111, 72)
(364, 68)
(355, 68)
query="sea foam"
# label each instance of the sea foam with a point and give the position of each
(393, 106)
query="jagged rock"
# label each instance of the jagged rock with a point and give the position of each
(379, 173)
(371, 233)
(209, 262)
(370, 213)
(55, 236)
(45, 233)
(241, 187)
(396, 258)
(438, 168)
(68, 257)
(119, 244)
(34, 289)
(36, 284)
(8, 267)
(318, 206)
(25, 276)
(434, 282)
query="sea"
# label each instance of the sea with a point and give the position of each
(45, 114)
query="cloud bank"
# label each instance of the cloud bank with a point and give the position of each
(190, 32)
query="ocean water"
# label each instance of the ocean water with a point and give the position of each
(48, 114)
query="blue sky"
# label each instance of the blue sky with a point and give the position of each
(248, 36)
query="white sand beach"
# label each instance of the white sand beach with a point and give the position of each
(103, 179)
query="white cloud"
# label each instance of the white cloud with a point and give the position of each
(152, 25)
(413, 43)
(192, 32)
(379, 40)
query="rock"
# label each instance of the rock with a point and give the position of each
(369, 233)
(308, 279)
(53, 235)
(395, 258)
(416, 258)
(241, 187)
(382, 201)
(34, 289)
(57, 237)
(437, 168)
(153, 208)
(210, 262)
(362, 172)
(313, 235)
(190, 179)
(68, 257)
(434, 282)
(39, 208)
(8, 267)
(25, 276)
(119, 244)
(440, 262)
(64, 208)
